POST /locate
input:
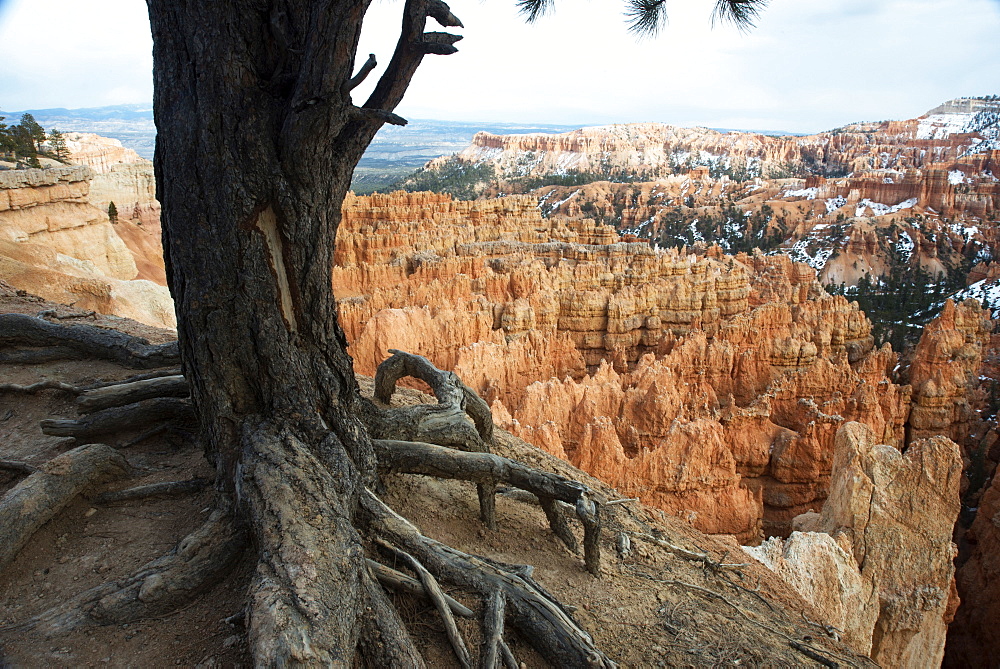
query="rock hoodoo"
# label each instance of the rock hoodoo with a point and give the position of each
(711, 387)
(878, 559)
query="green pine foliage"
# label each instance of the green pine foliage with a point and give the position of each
(900, 303)
(22, 143)
(34, 132)
(58, 143)
(463, 182)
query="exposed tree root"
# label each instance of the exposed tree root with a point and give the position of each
(437, 596)
(83, 341)
(311, 572)
(396, 580)
(492, 631)
(171, 389)
(54, 313)
(460, 419)
(39, 387)
(155, 374)
(316, 598)
(119, 419)
(385, 642)
(153, 490)
(547, 626)
(417, 458)
(198, 561)
(121, 394)
(36, 499)
(446, 421)
(715, 566)
(18, 466)
(156, 430)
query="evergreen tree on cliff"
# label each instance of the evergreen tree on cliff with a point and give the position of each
(257, 139)
(58, 142)
(33, 131)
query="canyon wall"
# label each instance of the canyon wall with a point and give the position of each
(715, 387)
(55, 243)
(895, 201)
(878, 560)
(711, 386)
(101, 154)
(873, 224)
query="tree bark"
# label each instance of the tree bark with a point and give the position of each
(257, 138)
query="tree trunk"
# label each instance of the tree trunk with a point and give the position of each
(257, 139)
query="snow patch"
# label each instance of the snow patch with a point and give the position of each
(879, 209)
(835, 203)
(939, 126)
(807, 193)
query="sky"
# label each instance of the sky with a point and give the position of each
(808, 66)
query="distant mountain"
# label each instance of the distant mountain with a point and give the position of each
(130, 124)
(958, 128)
(395, 152)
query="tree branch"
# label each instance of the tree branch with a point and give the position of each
(412, 46)
(362, 74)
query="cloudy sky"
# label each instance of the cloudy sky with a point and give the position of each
(809, 66)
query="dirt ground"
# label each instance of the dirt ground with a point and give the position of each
(649, 608)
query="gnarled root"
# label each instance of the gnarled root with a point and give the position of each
(445, 423)
(395, 580)
(542, 620)
(165, 489)
(311, 574)
(384, 639)
(85, 341)
(118, 419)
(198, 561)
(32, 502)
(417, 458)
(315, 597)
(460, 419)
(130, 392)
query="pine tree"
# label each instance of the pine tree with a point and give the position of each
(5, 143)
(113, 212)
(21, 143)
(58, 142)
(34, 131)
(250, 238)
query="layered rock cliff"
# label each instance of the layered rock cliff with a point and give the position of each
(873, 223)
(101, 154)
(55, 243)
(945, 134)
(711, 386)
(893, 213)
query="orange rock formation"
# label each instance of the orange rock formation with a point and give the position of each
(656, 150)
(890, 517)
(711, 387)
(944, 371)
